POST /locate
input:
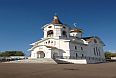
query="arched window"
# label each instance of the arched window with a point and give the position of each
(81, 48)
(76, 55)
(64, 33)
(51, 41)
(48, 41)
(64, 27)
(50, 27)
(95, 41)
(75, 47)
(94, 51)
(50, 33)
(82, 55)
(99, 52)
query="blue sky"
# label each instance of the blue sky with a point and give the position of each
(21, 20)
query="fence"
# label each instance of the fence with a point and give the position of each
(12, 58)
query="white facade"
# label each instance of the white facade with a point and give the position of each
(63, 42)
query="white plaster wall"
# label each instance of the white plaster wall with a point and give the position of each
(33, 54)
(47, 29)
(57, 31)
(76, 34)
(63, 46)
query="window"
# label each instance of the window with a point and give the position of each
(94, 51)
(82, 55)
(75, 47)
(76, 55)
(81, 48)
(73, 34)
(50, 33)
(64, 27)
(64, 33)
(48, 41)
(50, 27)
(95, 41)
(51, 41)
(99, 52)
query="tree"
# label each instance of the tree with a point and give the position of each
(11, 53)
(108, 55)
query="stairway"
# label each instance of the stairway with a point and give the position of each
(41, 60)
(58, 61)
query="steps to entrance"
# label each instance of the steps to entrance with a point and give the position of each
(58, 61)
(50, 61)
(42, 60)
(75, 61)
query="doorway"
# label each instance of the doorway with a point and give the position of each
(40, 54)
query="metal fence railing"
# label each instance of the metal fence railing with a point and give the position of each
(5, 59)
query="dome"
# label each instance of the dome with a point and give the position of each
(56, 20)
(76, 30)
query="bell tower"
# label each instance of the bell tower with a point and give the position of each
(55, 29)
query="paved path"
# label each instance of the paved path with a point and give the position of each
(28, 70)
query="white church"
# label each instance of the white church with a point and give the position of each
(63, 42)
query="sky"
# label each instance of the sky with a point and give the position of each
(21, 20)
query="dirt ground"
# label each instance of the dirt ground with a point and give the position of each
(12, 70)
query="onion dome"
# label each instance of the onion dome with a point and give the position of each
(76, 30)
(56, 20)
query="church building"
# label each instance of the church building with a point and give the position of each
(61, 41)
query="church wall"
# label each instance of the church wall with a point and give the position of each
(64, 47)
(87, 51)
(33, 54)
(58, 53)
(75, 49)
(93, 55)
(66, 29)
(59, 44)
(57, 32)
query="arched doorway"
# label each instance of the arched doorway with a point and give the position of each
(40, 54)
